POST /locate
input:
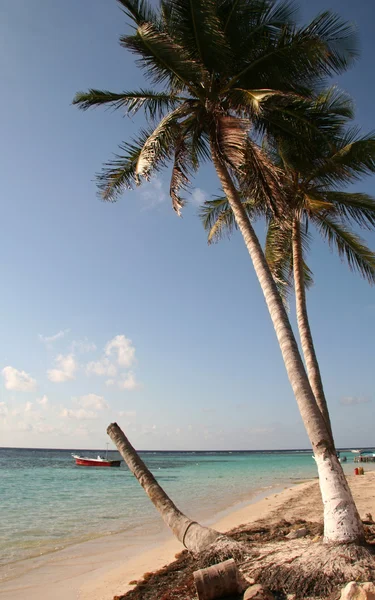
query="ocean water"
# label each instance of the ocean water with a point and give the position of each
(48, 503)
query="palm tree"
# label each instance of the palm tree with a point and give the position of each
(224, 73)
(190, 533)
(313, 179)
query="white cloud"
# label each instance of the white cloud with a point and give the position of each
(65, 371)
(92, 401)
(23, 426)
(83, 346)
(28, 406)
(354, 400)
(198, 196)
(110, 382)
(101, 367)
(128, 383)
(19, 381)
(45, 428)
(80, 414)
(3, 409)
(127, 413)
(49, 339)
(123, 348)
(261, 430)
(152, 193)
(43, 401)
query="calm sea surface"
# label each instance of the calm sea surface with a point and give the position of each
(47, 503)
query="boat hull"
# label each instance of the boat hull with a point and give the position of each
(86, 462)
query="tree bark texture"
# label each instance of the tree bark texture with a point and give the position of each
(312, 366)
(342, 522)
(194, 537)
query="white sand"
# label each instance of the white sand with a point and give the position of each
(100, 569)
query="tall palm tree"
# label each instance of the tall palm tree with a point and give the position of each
(314, 179)
(225, 72)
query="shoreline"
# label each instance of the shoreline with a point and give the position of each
(103, 568)
(86, 569)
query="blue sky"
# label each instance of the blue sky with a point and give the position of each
(121, 311)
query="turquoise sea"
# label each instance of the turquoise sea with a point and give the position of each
(48, 503)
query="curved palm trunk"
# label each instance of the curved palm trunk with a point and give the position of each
(194, 537)
(341, 519)
(312, 366)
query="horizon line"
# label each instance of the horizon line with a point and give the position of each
(343, 448)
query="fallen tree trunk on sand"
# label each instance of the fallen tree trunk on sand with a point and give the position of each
(193, 536)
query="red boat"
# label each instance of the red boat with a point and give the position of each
(85, 461)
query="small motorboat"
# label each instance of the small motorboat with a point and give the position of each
(99, 461)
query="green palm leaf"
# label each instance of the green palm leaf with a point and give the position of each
(350, 247)
(153, 103)
(353, 158)
(120, 173)
(195, 24)
(161, 144)
(279, 255)
(351, 206)
(218, 220)
(139, 11)
(164, 60)
(179, 178)
(299, 56)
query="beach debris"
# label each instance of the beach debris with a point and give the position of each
(218, 581)
(369, 518)
(297, 533)
(358, 591)
(258, 592)
(191, 534)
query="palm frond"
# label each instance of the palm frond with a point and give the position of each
(120, 173)
(139, 11)
(196, 26)
(232, 139)
(279, 256)
(217, 216)
(357, 207)
(153, 103)
(164, 60)
(200, 146)
(353, 158)
(339, 39)
(179, 178)
(261, 179)
(296, 122)
(297, 58)
(350, 247)
(247, 23)
(161, 144)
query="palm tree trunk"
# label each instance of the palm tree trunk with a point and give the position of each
(341, 519)
(194, 537)
(312, 366)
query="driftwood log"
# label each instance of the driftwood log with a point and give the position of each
(218, 581)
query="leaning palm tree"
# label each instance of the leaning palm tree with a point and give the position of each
(224, 73)
(314, 180)
(191, 534)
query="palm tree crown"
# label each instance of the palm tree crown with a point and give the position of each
(226, 71)
(314, 182)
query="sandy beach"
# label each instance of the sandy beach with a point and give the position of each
(102, 568)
